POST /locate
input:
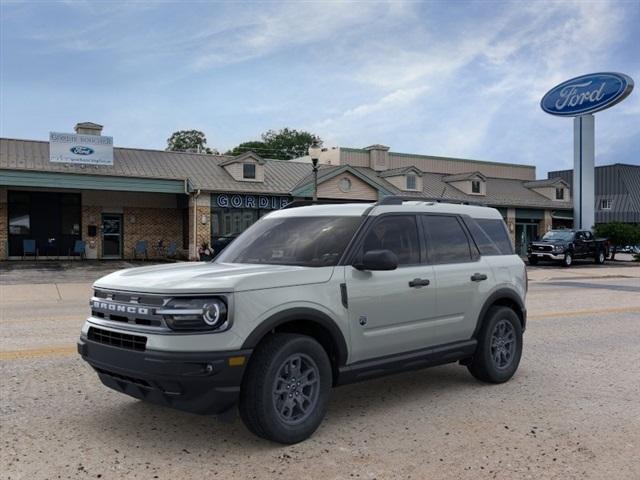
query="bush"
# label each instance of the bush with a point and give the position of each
(619, 234)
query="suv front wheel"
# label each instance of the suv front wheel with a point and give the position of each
(499, 346)
(286, 388)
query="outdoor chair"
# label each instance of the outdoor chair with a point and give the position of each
(78, 249)
(142, 249)
(160, 249)
(172, 249)
(29, 248)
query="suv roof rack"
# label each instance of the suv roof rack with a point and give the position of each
(306, 203)
(399, 200)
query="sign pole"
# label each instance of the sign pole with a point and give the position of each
(583, 172)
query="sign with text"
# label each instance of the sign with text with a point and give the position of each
(587, 94)
(241, 200)
(80, 149)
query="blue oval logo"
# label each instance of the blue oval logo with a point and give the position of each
(79, 150)
(587, 94)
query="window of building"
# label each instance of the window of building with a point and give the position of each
(248, 170)
(475, 186)
(19, 213)
(398, 233)
(412, 182)
(560, 193)
(446, 240)
(70, 214)
(344, 185)
(605, 204)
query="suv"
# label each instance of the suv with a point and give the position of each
(309, 298)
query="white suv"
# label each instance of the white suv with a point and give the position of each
(309, 298)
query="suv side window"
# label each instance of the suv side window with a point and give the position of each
(398, 233)
(490, 235)
(447, 241)
(588, 236)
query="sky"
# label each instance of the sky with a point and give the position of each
(445, 78)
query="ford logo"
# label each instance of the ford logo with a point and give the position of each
(587, 94)
(78, 150)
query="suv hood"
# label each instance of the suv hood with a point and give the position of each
(207, 277)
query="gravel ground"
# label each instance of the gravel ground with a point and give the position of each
(571, 411)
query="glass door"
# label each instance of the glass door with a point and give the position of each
(525, 233)
(111, 235)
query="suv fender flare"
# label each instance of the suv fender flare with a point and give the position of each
(495, 297)
(301, 314)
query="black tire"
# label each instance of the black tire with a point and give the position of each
(533, 260)
(567, 261)
(495, 361)
(600, 257)
(272, 367)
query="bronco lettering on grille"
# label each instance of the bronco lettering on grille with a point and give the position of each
(115, 307)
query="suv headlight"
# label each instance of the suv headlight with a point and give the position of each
(559, 248)
(196, 314)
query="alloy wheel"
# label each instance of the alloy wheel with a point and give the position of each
(296, 388)
(503, 344)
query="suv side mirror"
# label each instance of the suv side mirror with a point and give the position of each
(378, 260)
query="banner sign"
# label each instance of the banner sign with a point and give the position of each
(587, 94)
(80, 149)
(240, 200)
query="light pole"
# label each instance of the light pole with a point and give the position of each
(314, 153)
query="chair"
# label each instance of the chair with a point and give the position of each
(172, 249)
(142, 249)
(29, 248)
(78, 249)
(159, 248)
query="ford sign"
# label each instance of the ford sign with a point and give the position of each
(79, 150)
(587, 94)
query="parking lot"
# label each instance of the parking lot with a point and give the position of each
(571, 411)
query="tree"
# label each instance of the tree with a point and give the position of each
(255, 146)
(619, 234)
(188, 141)
(283, 144)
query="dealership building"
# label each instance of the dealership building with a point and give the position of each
(79, 187)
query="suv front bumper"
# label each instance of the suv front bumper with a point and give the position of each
(196, 382)
(547, 255)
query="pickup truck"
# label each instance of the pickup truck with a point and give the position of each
(566, 245)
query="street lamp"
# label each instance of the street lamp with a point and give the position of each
(314, 152)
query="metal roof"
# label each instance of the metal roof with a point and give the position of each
(205, 172)
(202, 170)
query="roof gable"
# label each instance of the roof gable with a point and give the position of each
(459, 177)
(243, 157)
(305, 187)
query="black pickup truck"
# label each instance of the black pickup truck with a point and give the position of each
(566, 245)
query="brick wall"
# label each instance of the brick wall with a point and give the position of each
(152, 225)
(4, 225)
(202, 206)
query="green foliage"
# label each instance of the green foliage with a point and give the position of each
(188, 141)
(283, 144)
(256, 146)
(619, 234)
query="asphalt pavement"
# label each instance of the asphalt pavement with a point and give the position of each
(571, 411)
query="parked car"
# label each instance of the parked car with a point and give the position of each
(564, 246)
(309, 298)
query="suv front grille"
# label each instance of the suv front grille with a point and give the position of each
(131, 308)
(117, 339)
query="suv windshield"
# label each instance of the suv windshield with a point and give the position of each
(302, 241)
(558, 235)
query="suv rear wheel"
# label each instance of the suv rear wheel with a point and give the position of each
(499, 346)
(285, 390)
(567, 261)
(600, 257)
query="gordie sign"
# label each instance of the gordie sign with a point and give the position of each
(587, 94)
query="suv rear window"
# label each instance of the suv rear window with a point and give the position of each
(490, 236)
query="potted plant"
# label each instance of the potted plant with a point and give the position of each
(205, 253)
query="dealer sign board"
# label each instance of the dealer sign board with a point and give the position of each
(80, 149)
(587, 94)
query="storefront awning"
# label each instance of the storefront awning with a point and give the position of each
(29, 178)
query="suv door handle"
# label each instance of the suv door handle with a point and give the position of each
(478, 277)
(419, 282)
